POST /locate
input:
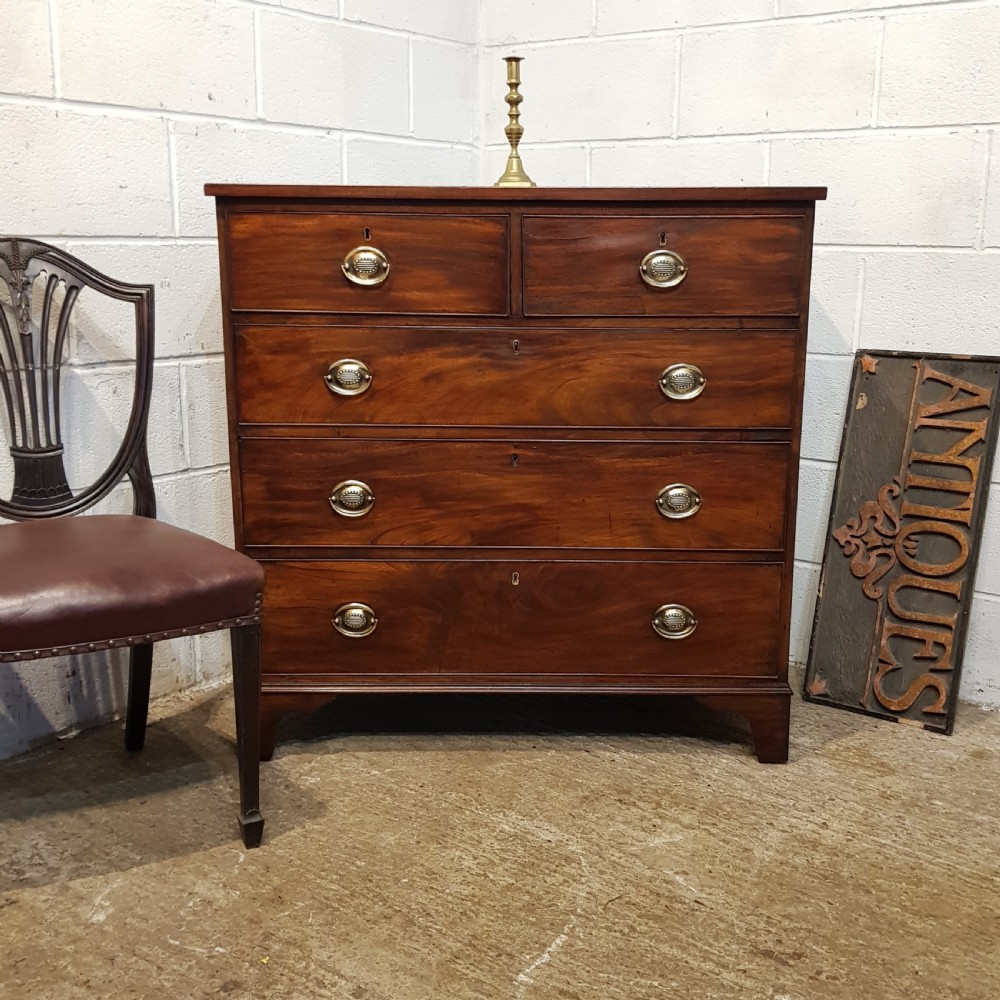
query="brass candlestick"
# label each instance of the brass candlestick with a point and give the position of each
(514, 175)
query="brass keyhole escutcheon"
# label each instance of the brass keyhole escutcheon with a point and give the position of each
(366, 265)
(674, 621)
(355, 620)
(682, 382)
(677, 501)
(352, 498)
(348, 377)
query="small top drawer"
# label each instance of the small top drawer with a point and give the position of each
(694, 265)
(442, 264)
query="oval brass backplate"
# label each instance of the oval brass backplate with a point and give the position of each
(348, 377)
(366, 266)
(355, 620)
(674, 621)
(682, 382)
(663, 269)
(678, 500)
(352, 498)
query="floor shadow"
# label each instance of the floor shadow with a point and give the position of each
(84, 806)
(507, 716)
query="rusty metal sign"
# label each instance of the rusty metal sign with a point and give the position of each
(900, 559)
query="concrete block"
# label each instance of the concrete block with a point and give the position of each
(213, 656)
(980, 678)
(444, 91)
(828, 379)
(325, 8)
(580, 90)
(199, 502)
(204, 394)
(374, 161)
(778, 77)
(212, 152)
(334, 75)
(836, 279)
(614, 16)
(181, 55)
(26, 48)
(547, 166)
(816, 481)
(108, 175)
(941, 67)
(803, 610)
(517, 21)
(188, 312)
(991, 233)
(679, 164)
(988, 570)
(932, 302)
(96, 403)
(918, 189)
(791, 8)
(440, 18)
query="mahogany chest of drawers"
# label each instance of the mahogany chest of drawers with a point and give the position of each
(519, 440)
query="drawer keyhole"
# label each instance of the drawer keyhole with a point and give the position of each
(663, 238)
(368, 235)
(515, 579)
(514, 459)
(516, 345)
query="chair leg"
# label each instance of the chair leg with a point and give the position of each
(246, 689)
(140, 670)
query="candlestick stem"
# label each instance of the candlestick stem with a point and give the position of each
(514, 175)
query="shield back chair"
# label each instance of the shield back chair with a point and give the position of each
(73, 585)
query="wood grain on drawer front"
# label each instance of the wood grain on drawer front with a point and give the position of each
(736, 266)
(512, 617)
(523, 377)
(496, 493)
(437, 264)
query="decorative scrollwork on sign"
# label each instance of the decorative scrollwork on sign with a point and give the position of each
(868, 540)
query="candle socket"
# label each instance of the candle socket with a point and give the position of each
(514, 175)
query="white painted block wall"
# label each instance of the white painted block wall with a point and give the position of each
(892, 104)
(114, 113)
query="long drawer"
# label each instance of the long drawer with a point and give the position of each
(522, 617)
(722, 265)
(437, 263)
(494, 377)
(503, 493)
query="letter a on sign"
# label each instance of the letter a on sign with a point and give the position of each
(900, 558)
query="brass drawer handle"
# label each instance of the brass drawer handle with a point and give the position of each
(355, 620)
(682, 382)
(348, 377)
(678, 500)
(352, 498)
(366, 266)
(674, 621)
(663, 269)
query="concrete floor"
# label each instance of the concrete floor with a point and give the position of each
(510, 848)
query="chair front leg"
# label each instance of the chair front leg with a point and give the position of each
(140, 671)
(246, 690)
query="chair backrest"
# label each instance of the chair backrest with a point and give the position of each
(33, 331)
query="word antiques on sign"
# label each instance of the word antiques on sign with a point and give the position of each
(908, 508)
